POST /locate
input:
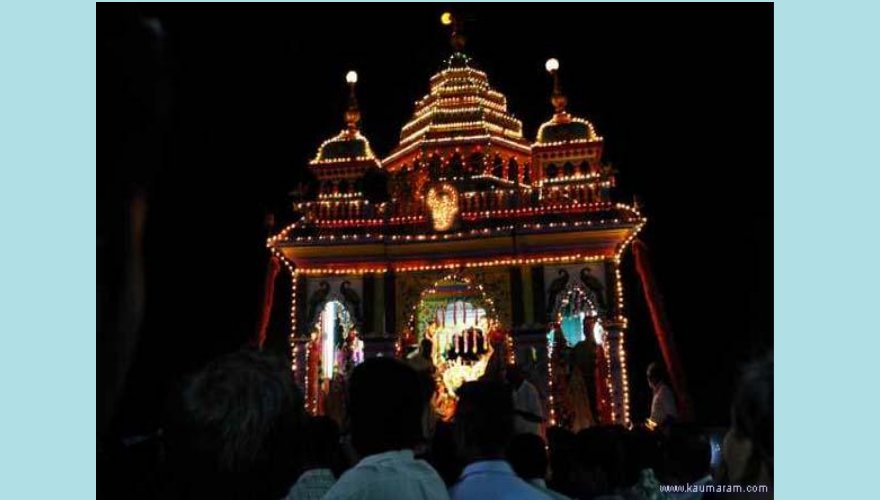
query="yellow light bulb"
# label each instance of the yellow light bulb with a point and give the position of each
(446, 18)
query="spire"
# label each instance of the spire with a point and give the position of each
(557, 98)
(352, 114)
(456, 37)
(563, 127)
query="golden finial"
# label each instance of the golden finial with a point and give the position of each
(352, 114)
(456, 37)
(558, 99)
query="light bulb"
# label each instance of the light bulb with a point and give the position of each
(446, 18)
(552, 65)
(352, 77)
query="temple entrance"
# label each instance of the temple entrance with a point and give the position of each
(455, 325)
(341, 348)
(334, 350)
(574, 343)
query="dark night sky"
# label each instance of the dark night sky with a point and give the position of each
(681, 93)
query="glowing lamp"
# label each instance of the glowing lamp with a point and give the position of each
(598, 333)
(446, 18)
(552, 64)
(351, 77)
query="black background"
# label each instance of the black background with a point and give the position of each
(234, 102)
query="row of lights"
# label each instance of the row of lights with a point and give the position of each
(463, 126)
(593, 185)
(435, 108)
(550, 401)
(473, 232)
(567, 118)
(447, 101)
(445, 73)
(283, 235)
(594, 206)
(444, 140)
(357, 194)
(569, 178)
(424, 157)
(345, 135)
(464, 108)
(320, 271)
(621, 351)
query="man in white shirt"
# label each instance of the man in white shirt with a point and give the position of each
(527, 454)
(663, 409)
(322, 451)
(386, 405)
(483, 427)
(529, 412)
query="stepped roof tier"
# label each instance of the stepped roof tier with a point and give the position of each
(461, 109)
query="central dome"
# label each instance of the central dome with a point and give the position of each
(460, 109)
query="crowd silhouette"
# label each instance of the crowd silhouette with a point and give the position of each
(238, 429)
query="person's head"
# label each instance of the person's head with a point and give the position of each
(656, 375)
(425, 348)
(443, 456)
(642, 450)
(483, 420)
(599, 461)
(386, 403)
(321, 443)
(515, 376)
(528, 456)
(560, 441)
(747, 451)
(688, 454)
(236, 427)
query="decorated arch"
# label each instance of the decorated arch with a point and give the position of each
(455, 324)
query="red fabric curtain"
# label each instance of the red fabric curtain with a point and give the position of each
(662, 329)
(268, 298)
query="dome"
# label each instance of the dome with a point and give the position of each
(566, 128)
(347, 146)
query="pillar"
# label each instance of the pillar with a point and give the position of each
(615, 345)
(517, 298)
(528, 299)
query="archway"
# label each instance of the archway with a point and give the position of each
(334, 350)
(575, 370)
(464, 339)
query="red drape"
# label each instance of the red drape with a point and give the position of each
(662, 329)
(268, 298)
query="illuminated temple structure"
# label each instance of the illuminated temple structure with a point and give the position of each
(494, 247)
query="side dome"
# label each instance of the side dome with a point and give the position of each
(566, 128)
(347, 146)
